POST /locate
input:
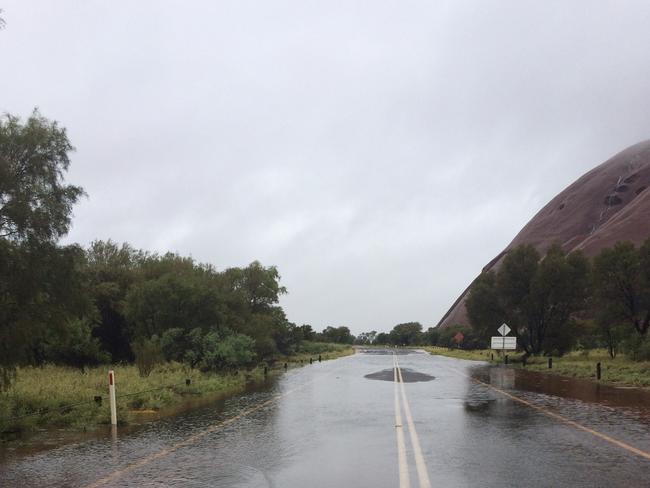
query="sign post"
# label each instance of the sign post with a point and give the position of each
(503, 342)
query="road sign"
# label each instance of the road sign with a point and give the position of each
(503, 342)
(503, 330)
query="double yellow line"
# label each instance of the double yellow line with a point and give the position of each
(420, 465)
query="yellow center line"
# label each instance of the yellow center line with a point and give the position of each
(404, 481)
(193, 438)
(559, 417)
(420, 465)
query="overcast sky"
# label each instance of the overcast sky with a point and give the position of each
(379, 153)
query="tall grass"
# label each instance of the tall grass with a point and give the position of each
(582, 364)
(473, 354)
(42, 396)
(577, 364)
(327, 350)
(57, 396)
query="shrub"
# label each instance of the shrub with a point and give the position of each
(148, 353)
(75, 346)
(173, 343)
(638, 348)
(230, 352)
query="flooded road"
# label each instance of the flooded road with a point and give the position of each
(334, 424)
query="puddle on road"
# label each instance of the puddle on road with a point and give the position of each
(408, 375)
(588, 391)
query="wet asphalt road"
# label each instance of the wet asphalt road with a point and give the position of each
(328, 425)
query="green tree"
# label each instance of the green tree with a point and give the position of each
(382, 339)
(407, 334)
(536, 297)
(431, 336)
(111, 271)
(471, 339)
(308, 334)
(148, 353)
(172, 300)
(231, 351)
(366, 338)
(259, 286)
(40, 287)
(559, 289)
(484, 308)
(622, 285)
(35, 202)
(340, 335)
(74, 345)
(41, 291)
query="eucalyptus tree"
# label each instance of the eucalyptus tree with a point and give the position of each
(536, 296)
(622, 285)
(40, 283)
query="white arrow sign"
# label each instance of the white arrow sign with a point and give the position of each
(503, 330)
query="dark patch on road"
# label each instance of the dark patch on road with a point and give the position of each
(408, 376)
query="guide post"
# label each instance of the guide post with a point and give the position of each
(111, 395)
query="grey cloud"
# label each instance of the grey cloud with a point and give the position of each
(379, 153)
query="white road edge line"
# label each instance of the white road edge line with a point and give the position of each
(404, 480)
(420, 465)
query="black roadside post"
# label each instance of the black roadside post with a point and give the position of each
(598, 371)
(286, 365)
(523, 361)
(506, 359)
(319, 358)
(188, 382)
(98, 400)
(492, 354)
(266, 370)
(550, 363)
(311, 361)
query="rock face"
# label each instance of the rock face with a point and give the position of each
(608, 204)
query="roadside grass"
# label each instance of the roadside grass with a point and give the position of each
(474, 354)
(327, 350)
(57, 396)
(577, 364)
(582, 364)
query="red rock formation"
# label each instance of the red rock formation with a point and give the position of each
(608, 204)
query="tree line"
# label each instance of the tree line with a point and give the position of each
(111, 302)
(413, 334)
(553, 303)
(559, 301)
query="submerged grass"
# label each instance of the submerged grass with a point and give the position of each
(582, 364)
(577, 364)
(474, 354)
(56, 396)
(327, 350)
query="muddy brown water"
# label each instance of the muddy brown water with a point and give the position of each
(328, 425)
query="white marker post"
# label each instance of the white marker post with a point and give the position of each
(111, 395)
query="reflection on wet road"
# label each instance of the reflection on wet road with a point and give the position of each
(333, 424)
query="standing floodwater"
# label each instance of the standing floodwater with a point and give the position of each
(329, 425)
